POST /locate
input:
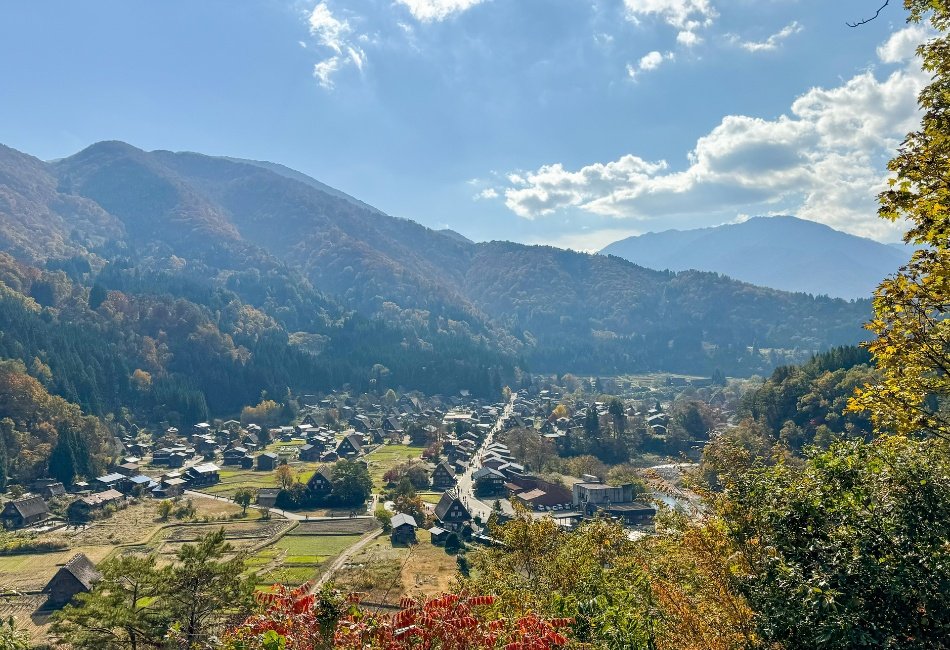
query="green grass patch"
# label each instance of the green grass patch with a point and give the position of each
(323, 545)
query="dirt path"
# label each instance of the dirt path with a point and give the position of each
(343, 557)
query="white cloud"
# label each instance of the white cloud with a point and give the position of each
(487, 193)
(823, 160)
(688, 38)
(336, 35)
(324, 71)
(685, 15)
(649, 61)
(902, 45)
(436, 10)
(328, 30)
(772, 42)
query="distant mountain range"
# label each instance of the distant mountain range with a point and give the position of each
(780, 252)
(224, 277)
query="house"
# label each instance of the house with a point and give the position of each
(351, 445)
(439, 535)
(234, 455)
(82, 508)
(202, 475)
(128, 469)
(309, 453)
(488, 482)
(443, 476)
(77, 576)
(114, 481)
(267, 497)
(391, 424)
(614, 500)
(171, 486)
(267, 461)
(309, 420)
(25, 511)
(141, 484)
(404, 529)
(48, 488)
(321, 483)
(451, 512)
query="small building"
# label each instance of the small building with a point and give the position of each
(113, 481)
(77, 576)
(267, 497)
(128, 469)
(309, 453)
(439, 535)
(404, 529)
(51, 489)
(451, 512)
(321, 483)
(25, 511)
(489, 482)
(82, 508)
(350, 446)
(267, 461)
(443, 476)
(169, 487)
(202, 475)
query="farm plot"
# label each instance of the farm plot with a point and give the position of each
(385, 457)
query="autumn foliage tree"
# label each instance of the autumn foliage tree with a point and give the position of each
(912, 348)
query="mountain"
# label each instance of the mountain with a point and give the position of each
(780, 252)
(222, 278)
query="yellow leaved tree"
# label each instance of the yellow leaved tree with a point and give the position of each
(912, 348)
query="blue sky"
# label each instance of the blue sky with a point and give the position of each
(569, 122)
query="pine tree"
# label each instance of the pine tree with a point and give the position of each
(62, 462)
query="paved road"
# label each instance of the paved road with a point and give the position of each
(465, 486)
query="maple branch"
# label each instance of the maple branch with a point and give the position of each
(867, 20)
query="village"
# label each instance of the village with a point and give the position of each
(284, 496)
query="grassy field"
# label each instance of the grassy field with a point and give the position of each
(387, 573)
(233, 479)
(385, 457)
(301, 554)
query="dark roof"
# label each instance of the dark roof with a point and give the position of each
(355, 441)
(448, 468)
(81, 568)
(30, 506)
(446, 502)
(488, 472)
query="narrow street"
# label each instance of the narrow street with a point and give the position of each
(465, 485)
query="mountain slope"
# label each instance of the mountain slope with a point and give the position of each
(781, 252)
(312, 260)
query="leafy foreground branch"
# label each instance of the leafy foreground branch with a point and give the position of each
(295, 619)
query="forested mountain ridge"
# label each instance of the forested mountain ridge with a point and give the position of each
(782, 252)
(318, 266)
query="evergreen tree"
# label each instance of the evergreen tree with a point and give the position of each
(62, 462)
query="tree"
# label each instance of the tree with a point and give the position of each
(243, 498)
(912, 348)
(62, 461)
(124, 609)
(12, 637)
(165, 508)
(203, 589)
(837, 554)
(384, 517)
(352, 484)
(619, 416)
(285, 476)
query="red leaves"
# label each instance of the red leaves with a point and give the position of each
(447, 622)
